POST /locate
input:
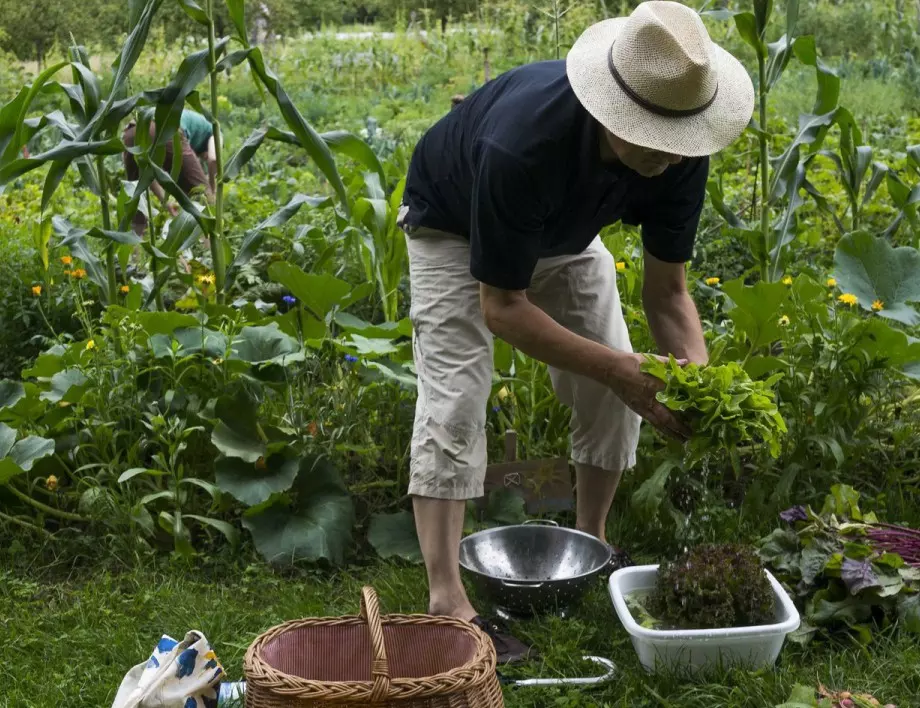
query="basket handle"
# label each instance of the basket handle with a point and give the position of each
(380, 667)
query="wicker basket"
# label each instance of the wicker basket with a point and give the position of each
(414, 661)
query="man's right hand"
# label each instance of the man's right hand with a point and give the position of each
(637, 390)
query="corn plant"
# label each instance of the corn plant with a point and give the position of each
(90, 133)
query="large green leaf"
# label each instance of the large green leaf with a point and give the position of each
(882, 342)
(872, 269)
(67, 385)
(11, 392)
(252, 483)
(828, 82)
(66, 151)
(191, 72)
(235, 9)
(756, 310)
(811, 131)
(394, 536)
(315, 146)
(237, 432)
(124, 63)
(317, 526)
(338, 141)
(318, 291)
(190, 340)
(7, 439)
(18, 457)
(195, 11)
(151, 322)
(13, 114)
(266, 344)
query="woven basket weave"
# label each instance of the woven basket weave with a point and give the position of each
(410, 661)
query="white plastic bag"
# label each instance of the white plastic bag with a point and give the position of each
(182, 674)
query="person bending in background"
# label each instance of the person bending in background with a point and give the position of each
(197, 140)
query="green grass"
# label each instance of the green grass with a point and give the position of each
(69, 640)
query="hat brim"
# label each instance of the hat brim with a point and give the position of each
(702, 134)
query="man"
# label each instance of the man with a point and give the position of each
(197, 140)
(504, 200)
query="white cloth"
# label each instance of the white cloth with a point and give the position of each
(182, 674)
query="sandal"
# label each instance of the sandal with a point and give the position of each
(510, 649)
(618, 559)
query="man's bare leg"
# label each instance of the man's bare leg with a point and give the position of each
(439, 523)
(594, 492)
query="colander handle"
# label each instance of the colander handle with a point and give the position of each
(531, 586)
(541, 522)
(380, 667)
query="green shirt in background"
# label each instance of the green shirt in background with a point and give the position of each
(197, 129)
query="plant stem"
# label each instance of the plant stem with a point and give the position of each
(25, 525)
(764, 171)
(217, 238)
(107, 225)
(50, 510)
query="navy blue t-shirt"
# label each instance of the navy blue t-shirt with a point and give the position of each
(516, 169)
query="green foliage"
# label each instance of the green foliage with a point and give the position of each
(837, 576)
(713, 586)
(722, 404)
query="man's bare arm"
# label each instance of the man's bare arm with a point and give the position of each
(511, 316)
(671, 313)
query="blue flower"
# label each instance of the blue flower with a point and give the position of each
(289, 299)
(496, 409)
(351, 359)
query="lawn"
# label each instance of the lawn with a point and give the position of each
(70, 639)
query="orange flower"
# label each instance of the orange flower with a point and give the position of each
(125, 289)
(78, 273)
(66, 260)
(36, 290)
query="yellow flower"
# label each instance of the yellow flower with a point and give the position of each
(206, 279)
(67, 272)
(787, 280)
(783, 321)
(51, 483)
(832, 282)
(90, 345)
(621, 266)
(712, 281)
(66, 260)
(878, 305)
(125, 289)
(36, 290)
(848, 299)
(78, 273)
(502, 393)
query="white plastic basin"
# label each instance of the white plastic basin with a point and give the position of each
(692, 650)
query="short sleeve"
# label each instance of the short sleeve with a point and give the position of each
(506, 221)
(671, 216)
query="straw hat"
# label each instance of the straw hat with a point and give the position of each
(656, 80)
